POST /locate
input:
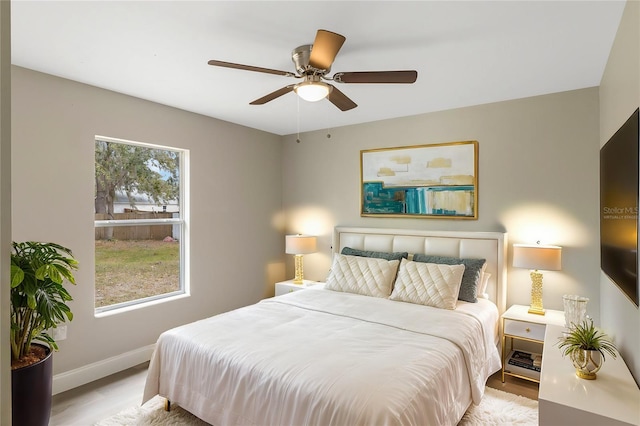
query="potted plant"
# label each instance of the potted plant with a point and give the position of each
(586, 346)
(38, 304)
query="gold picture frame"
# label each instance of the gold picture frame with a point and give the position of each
(426, 181)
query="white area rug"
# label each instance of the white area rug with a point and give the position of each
(497, 408)
(502, 408)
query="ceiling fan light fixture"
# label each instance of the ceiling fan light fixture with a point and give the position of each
(312, 91)
(313, 63)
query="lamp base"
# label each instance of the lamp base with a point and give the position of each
(299, 278)
(536, 293)
(537, 311)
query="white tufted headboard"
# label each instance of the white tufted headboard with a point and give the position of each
(491, 246)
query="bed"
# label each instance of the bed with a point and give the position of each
(332, 355)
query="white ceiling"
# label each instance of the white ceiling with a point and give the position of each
(466, 53)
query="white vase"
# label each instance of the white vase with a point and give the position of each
(575, 309)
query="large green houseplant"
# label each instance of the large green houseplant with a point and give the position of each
(586, 347)
(38, 304)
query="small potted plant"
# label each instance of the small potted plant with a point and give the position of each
(38, 304)
(586, 346)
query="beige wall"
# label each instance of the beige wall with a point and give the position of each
(236, 243)
(619, 97)
(538, 179)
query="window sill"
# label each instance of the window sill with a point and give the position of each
(141, 305)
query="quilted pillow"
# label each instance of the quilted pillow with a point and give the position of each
(431, 284)
(368, 276)
(378, 254)
(470, 279)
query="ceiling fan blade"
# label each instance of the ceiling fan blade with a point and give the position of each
(406, 77)
(340, 100)
(273, 95)
(325, 48)
(249, 68)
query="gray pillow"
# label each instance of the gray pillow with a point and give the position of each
(470, 278)
(377, 254)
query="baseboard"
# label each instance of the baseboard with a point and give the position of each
(97, 370)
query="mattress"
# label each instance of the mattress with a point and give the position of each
(320, 357)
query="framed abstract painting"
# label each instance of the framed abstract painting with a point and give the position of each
(427, 181)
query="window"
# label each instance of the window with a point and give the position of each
(140, 222)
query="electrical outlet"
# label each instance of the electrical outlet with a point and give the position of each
(60, 332)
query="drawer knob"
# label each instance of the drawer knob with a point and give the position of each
(527, 329)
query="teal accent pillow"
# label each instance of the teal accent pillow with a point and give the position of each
(470, 278)
(377, 254)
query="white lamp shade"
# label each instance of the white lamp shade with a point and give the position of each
(547, 258)
(300, 244)
(312, 91)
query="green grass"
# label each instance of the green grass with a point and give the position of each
(130, 270)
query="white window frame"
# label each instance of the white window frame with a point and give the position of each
(182, 222)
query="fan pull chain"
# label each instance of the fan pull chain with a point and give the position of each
(298, 118)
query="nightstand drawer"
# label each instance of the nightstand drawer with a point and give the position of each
(524, 329)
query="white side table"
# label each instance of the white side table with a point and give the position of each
(289, 286)
(613, 398)
(519, 324)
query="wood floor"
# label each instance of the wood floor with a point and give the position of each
(514, 385)
(88, 404)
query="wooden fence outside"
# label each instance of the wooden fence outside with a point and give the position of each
(145, 232)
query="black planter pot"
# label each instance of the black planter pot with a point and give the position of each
(31, 393)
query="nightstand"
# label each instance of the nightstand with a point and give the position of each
(288, 286)
(518, 324)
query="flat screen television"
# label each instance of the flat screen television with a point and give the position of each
(619, 207)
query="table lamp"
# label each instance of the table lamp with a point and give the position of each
(535, 257)
(299, 245)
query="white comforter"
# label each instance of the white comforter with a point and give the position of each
(319, 357)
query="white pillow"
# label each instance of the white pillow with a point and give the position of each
(362, 275)
(431, 284)
(482, 285)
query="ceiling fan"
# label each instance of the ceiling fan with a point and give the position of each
(313, 64)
